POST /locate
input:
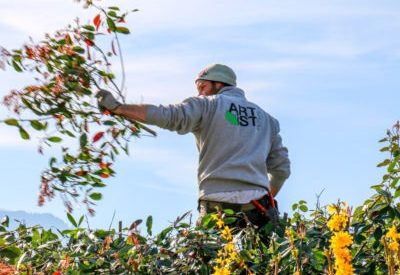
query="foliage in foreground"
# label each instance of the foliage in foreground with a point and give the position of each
(326, 240)
(59, 108)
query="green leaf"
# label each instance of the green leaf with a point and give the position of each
(303, 208)
(17, 57)
(122, 30)
(111, 24)
(78, 49)
(101, 233)
(384, 163)
(112, 14)
(397, 193)
(318, 259)
(294, 206)
(52, 161)
(5, 221)
(96, 196)
(54, 139)
(36, 125)
(89, 28)
(88, 35)
(72, 220)
(393, 184)
(11, 122)
(80, 220)
(205, 221)
(377, 187)
(11, 252)
(113, 8)
(16, 66)
(230, 220)
(24, 134)
(378, 233)
(228, 211)
(109, 123)
(149, 225)
(164, 233)
(359, 238)
(231, 118)
(83, 140)
(384, 149)
(69, 133)
(392, 164)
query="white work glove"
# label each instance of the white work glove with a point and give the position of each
(106, 100)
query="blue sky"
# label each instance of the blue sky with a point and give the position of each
(327, 70)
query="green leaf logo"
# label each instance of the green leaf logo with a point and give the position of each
(231, 118)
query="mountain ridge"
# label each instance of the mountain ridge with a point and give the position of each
(45, 220)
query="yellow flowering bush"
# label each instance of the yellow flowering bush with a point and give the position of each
(341, 240)
(392, 253)
(392, 236)
(228, 255)
(340, 217)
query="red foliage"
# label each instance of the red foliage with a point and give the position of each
(104, 175)
(104, 165)
(89, 42)
(98, 136)
(81, 173)
(97, 21)
(6, 269)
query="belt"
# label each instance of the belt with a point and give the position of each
(211, 206)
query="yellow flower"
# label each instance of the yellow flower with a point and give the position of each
(345, 269)
(226, 233)
(214, 217)
(233, 255)
(341, 239)
(393, 236)
(332, 209)
(392, 233)
(394, 246)
(338, 222)
(343, 254)
(229, 247)
(221, 271)
(220, 224)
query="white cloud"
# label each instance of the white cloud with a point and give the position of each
(208, 13)
(35, 18)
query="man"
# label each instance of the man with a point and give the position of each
(241, 155)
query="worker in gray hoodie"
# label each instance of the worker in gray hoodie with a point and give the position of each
(242, 162)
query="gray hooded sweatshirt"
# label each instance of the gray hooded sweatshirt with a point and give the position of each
(239, 143)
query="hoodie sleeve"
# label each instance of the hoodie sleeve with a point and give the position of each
(278, 163)
(183, 118)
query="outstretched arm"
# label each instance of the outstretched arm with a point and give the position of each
(182, 118)
(132, 111)
(107, 101)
